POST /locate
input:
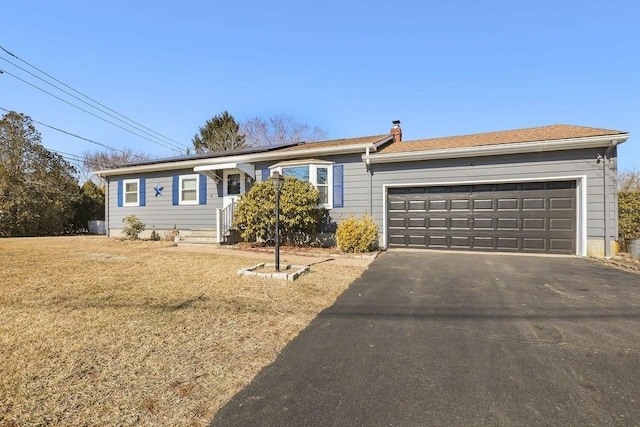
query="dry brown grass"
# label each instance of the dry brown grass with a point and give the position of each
(98, 331)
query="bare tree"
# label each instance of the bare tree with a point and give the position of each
(99, 160)
(279, 129)
(629, 180)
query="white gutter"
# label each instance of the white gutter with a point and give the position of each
(497, 149)
(243, 158)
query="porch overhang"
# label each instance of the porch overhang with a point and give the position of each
(210, 170)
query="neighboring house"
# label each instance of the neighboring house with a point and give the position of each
(547, 189)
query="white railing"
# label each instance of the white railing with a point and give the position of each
(224, 221)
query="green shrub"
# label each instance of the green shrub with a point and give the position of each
(133, 227)
(357, 235)
(628, 216)
(299, 212)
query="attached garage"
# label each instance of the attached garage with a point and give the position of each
(538, 217)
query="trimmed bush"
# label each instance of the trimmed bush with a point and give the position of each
(628, 216)
(357, 235)
(133, 227)
(299, 212)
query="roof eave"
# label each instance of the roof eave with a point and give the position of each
(499, 149)
(271, 155)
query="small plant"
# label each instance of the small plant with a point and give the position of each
(154, 236)
(357, 235)
(133, 227)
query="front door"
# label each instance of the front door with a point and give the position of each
(233, 185)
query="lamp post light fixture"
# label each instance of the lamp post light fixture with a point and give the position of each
(278, 180)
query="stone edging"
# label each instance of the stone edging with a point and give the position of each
(370, 255)
(295, 271)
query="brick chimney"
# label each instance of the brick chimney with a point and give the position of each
(396, 131)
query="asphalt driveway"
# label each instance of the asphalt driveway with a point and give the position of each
(432, 338)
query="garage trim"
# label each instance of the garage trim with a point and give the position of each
(581, 203)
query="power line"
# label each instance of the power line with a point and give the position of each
(80, 99)
(88, 112)
(72, 134)
(87, 97)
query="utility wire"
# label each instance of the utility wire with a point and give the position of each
(85, 96)
(82, 100)
(88, 112)
(71, 134)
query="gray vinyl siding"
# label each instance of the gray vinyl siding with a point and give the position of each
(536, 166)
(362, 196)
(356, 184)
(159, 212)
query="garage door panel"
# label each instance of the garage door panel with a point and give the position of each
(537, 203)
(533, 223)
(561, 203)
(506, 243)
(508, 223)
(560, 224)
(460, 204)
(437, 241)
(434, 223)
(460, 223)
(416, 205)
(507, 204)
(483, 242)
(560, 245)
(486, 204)
(483, 223)
(460, 242)
(533, 244)
(416, 223)
(530, 217)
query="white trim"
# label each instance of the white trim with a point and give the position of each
(248, 169)
(497, 149)
(581, 202)
(282, 154)
(124, 192)
(313, 176)
(181, 179)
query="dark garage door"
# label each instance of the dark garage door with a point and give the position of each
(522, 217)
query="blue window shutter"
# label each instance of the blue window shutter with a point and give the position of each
(119, 193)
(338, 186)
(265, 174)
(175, 190)
(202, 182)
(143, 192)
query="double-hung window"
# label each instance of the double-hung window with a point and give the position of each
(189, 190)
(131, 192)
(319, 173)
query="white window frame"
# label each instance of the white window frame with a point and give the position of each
(313, 175)
(124, 192)
(180, 189)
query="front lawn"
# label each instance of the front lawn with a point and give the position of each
(99, 331)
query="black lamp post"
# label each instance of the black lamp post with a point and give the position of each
(278, 180)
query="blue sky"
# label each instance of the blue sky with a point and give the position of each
(443, 68)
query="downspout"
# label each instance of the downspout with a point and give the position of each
(367, 163)
(107, 229)
(605, 167)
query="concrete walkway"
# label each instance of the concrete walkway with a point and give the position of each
(460, 339)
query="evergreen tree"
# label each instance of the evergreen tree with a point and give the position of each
(37, 187)
(220, 133)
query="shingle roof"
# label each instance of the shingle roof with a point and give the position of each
(542, 133)
(338, 142)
